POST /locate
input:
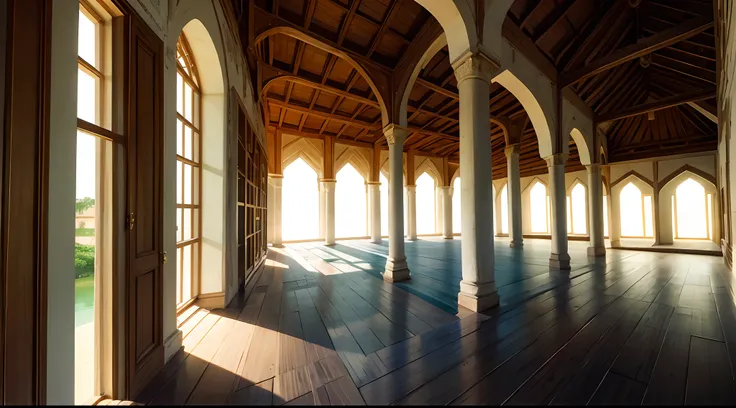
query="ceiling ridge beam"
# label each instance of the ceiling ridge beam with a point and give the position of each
(646, 46)
(664, 103)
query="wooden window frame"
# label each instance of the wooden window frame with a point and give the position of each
(192, 79)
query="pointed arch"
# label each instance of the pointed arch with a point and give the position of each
(429, 167)
(353, 157)
(302, 148)
(670, 206)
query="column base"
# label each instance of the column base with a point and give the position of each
(477, 297)
(450, 237)
(615, 243)
(396, 271)
(559, 261)
(596, 251)
(329, 243)
(411, 238)
(513, 244)
(277, 245)
(376, 241)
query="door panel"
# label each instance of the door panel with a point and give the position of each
(145, 280)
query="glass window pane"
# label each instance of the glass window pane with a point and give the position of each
(187, 102)
(179, 137)
(425, 204)
(691, 211)
(538, 199)
(179, 94)
(187, 184)
(632, 222)
(648, 230)
(569, 215)
(179, 226)
(86, 97)
(188, 143)
(578, 211)
(87, 40)
(180, 266)
(179, 182)
(605, 216)
(186, 273)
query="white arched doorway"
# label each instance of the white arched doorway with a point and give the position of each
(300, 197)
(350, 203)
(577, 210)
(539, 208)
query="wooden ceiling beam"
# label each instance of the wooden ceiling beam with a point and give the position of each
(657, 105)
(346, 21)
(557, 14)
(309, 7)
(384, 26)
(319, 113)
(646, 46)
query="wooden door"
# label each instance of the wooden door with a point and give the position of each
(23, 197)
(145, 272)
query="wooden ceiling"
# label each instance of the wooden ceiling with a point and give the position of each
(309, 91)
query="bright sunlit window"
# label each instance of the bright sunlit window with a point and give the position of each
(383, 189)
(636, 212)
(300, 198)
(504, 210)
(425, 204)
(456, 207)
(691, 211)
(539, 204)
(577, 211)
(605, 214)
(350, 203)
(188, 172)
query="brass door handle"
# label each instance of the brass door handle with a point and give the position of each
(132, 221)
(164, 256)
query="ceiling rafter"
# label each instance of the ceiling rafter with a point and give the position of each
(648, 45)
(657, 105)
(382, 29)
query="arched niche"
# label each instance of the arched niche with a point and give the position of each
(669, 189)
(199, 23)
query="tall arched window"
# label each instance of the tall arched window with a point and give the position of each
(383, 190)
(539, 204)
(425, 204)
(692, 211)
(188, 170)
(350, 206)
(577, 211)
(300, 198)
(456, 206)
(605, 211)
(636, 212)
(504, 210)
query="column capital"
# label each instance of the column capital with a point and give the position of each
(444, 187)
(275, 180)
(556, 159)
(512, 149)
(411, 187)
(328, 183)
(395, 134)
(373, 183)
(476, 65)
(593, 168)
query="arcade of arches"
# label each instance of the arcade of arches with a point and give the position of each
(261, 202)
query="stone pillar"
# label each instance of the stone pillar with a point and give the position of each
(559, 258)
(275, 181)
(322, 218)
(396, 267)
(446, 192)
(374, 210)
(513, 196)
(328, 187)
(478, 287)
(595, 212)
(411, 212)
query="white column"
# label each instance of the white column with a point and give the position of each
(559, 258)
(328, 186)
(275, 181)
(595, 212)
(478, 287)
(438, 210)
(396, 267)
(513, 196)
(446, 192)
(322, 218)
(411, 212)
(374, 210)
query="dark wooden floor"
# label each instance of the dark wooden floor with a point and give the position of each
(321, 327)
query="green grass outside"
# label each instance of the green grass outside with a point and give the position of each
(85, 232)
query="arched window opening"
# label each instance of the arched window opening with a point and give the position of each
(577, 212)
(456, 207)
(300, 198)
(383, 191)
(636, 213)
(539, 203)
(425, 204)
(188, 171)
(350, 203)
(504, 211)
(691, 211)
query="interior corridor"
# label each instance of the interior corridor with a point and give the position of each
(319, 326)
